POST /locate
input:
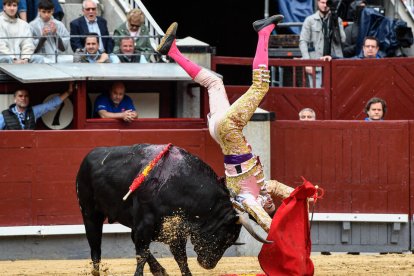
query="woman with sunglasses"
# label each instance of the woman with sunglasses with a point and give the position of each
(134, 27)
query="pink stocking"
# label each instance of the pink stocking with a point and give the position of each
(190, 67)
(262, 53)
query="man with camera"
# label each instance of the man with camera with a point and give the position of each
(322, 35)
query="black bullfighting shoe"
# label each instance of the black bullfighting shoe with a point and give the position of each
(260, 24)
(168, 39)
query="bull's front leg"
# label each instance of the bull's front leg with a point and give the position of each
(142, 236)
(142, 256)
(177, 248)
(155, 267)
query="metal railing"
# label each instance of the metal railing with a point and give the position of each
(409, 6)
(57, 53)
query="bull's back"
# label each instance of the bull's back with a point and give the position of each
(179, 180)
(107, 172)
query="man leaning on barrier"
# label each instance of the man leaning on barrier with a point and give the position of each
(22, 116)
(16, 42)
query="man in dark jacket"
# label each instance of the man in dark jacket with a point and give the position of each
(90, 23)
(370, 48)
(21, 115)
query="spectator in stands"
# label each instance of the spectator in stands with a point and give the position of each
(21, 9)
(370, 48)
(116, 105)
(21, 115)
(319, 38)
(352, 30)
(90, 23)
(32, 9)
(375, 109)
(51, 36)
(127, 53)
(134, 27)
(91, 52)
(307, 114)
(19, 47)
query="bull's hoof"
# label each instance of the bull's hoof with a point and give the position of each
(160, 273)
(95, 268)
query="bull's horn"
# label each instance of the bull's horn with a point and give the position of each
(250, 229)
(239, 243)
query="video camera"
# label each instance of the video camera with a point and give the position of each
(334, 5)
(337, 8)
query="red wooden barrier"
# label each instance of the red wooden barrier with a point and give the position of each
(38, 168)
(354, 82)
(347, 85)
(364, 167)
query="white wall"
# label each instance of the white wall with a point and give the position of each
(5, 101)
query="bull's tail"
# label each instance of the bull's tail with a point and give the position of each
(141, 177)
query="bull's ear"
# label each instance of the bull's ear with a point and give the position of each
(221, 180)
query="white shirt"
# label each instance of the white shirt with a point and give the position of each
(93, 27)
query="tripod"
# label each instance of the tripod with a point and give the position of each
(334, 23)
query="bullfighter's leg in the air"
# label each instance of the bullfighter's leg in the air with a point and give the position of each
(244, 173)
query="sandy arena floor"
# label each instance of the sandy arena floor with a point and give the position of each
(336, 264)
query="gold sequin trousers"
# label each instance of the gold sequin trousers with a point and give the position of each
(232, 141)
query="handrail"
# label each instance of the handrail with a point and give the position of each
(404, 13)
(66, 53)
(281, 68)
(409, 6)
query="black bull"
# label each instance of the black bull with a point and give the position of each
(181, 197)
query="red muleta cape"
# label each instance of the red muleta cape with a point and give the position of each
(289, 254)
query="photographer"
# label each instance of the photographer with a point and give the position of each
(322, 35)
